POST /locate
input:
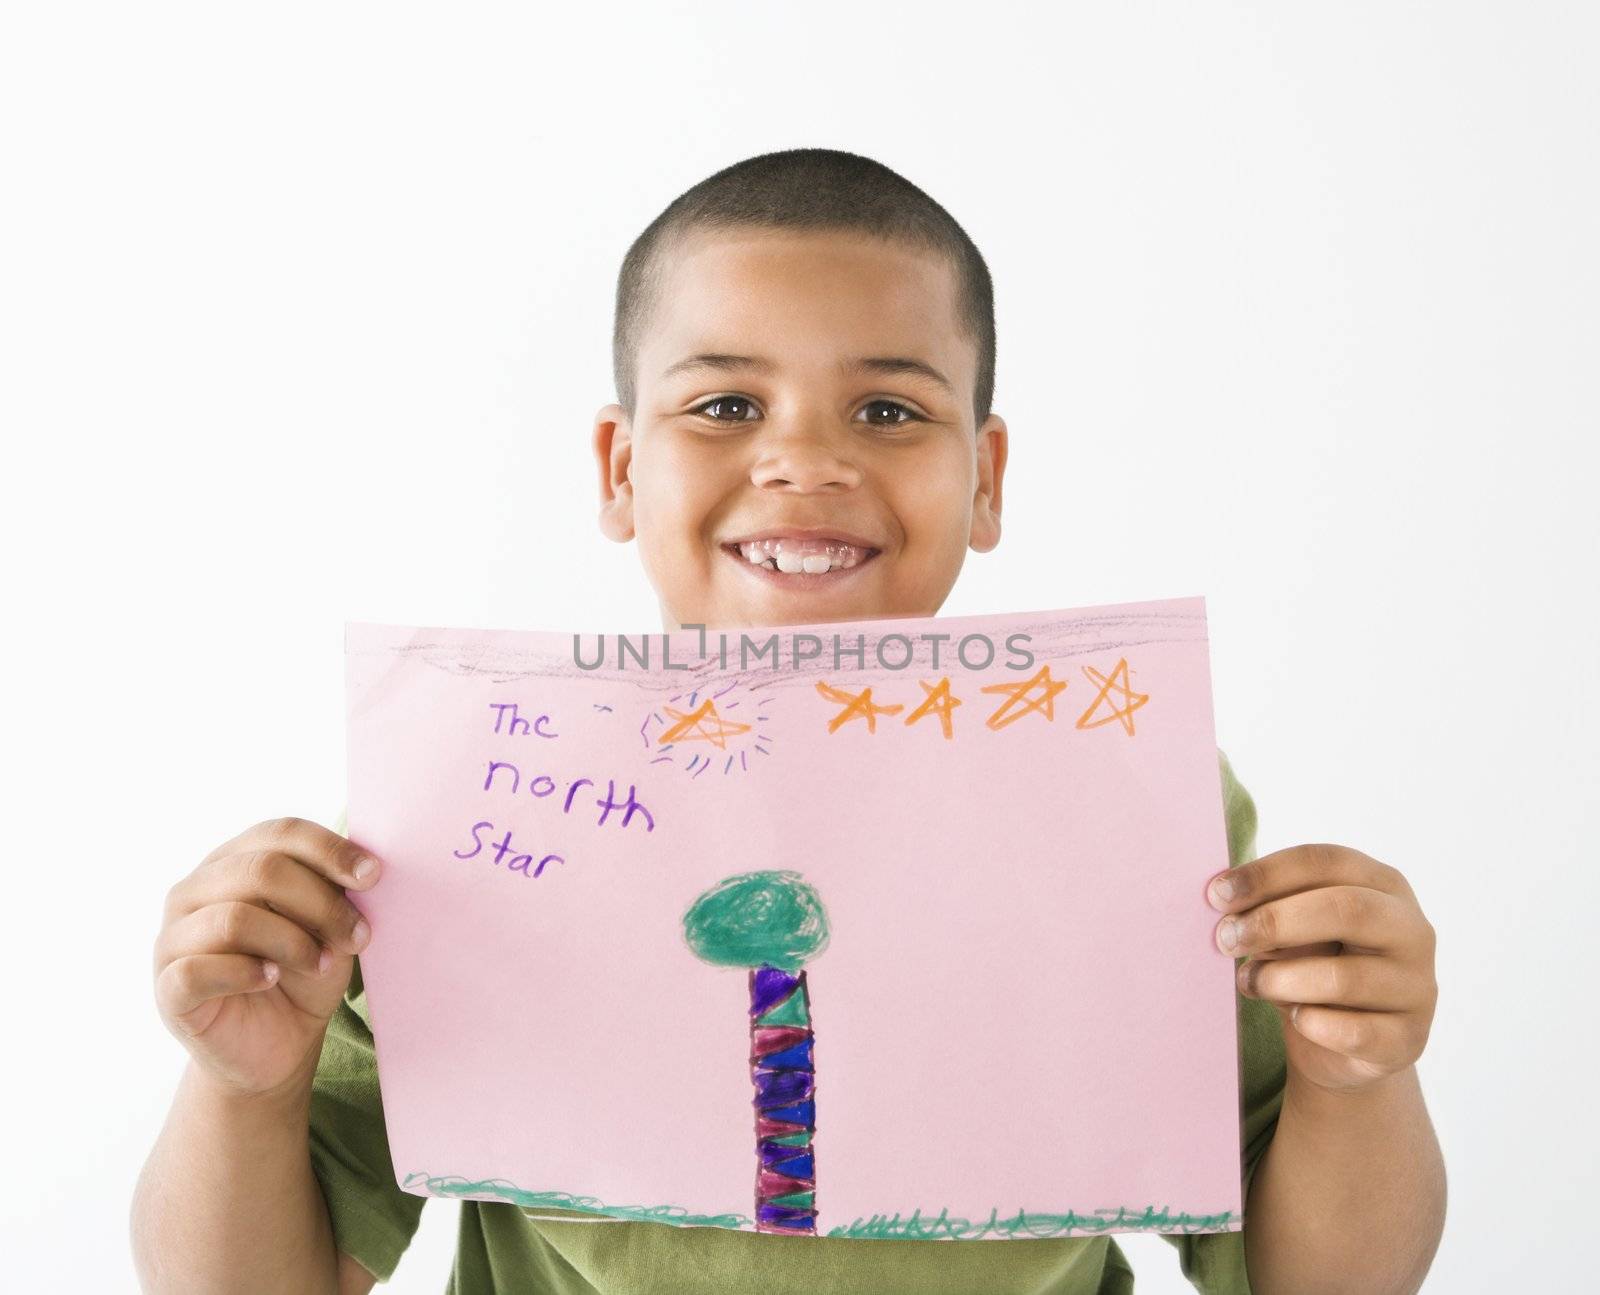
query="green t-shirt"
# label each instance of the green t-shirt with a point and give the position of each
(504, 1246)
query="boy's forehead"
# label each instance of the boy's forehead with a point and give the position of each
(787, 296)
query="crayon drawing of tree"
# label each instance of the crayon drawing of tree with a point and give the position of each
(771, 922)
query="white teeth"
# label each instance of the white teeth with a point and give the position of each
(794, 557)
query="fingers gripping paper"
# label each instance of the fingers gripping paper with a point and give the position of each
(878, 929)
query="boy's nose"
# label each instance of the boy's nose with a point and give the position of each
(805, 459)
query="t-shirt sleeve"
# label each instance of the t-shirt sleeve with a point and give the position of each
(1214, 1261)
(373, 1219)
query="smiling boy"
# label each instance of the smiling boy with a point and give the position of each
(784, 388)
(804, 356)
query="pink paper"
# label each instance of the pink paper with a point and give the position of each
(1016, 1025)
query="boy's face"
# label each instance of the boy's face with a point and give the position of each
(778, 425)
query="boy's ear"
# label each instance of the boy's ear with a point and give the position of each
(991, 448)
(613, 452)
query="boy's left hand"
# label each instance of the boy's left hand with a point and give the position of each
(1337, 941)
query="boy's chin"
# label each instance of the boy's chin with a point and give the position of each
(775, 611)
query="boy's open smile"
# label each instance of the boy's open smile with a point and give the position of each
(803, 446)
(801, 562)
(801, 558)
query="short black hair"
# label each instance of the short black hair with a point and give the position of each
(805, 189)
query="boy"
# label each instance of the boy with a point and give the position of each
(804, 359)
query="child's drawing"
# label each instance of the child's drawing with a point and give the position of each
(1021, 950)
(771, 922)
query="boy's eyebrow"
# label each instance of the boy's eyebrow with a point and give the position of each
(886, 364)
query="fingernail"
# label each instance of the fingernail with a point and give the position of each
(1221, 891)
(324, 961)
(359, 933)
(269, 970)
(1228, 934)
(365, 868)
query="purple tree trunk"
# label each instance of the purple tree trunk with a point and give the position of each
(784, 1076)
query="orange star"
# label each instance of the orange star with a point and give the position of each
(1017, 695)
(692, 727)
(938, 702)
(1131, 701)
(856, 706)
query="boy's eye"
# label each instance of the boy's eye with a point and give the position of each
(733, 401)
(890, 405)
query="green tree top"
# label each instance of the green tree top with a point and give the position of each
(775, 918)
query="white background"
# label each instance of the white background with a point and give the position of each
(306, 316)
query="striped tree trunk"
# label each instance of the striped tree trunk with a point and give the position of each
(784, 1075)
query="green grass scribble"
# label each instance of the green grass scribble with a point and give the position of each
(916, 1227)
(879, 1226)
(456, 1186)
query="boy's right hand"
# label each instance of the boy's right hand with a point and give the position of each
(256, 949)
